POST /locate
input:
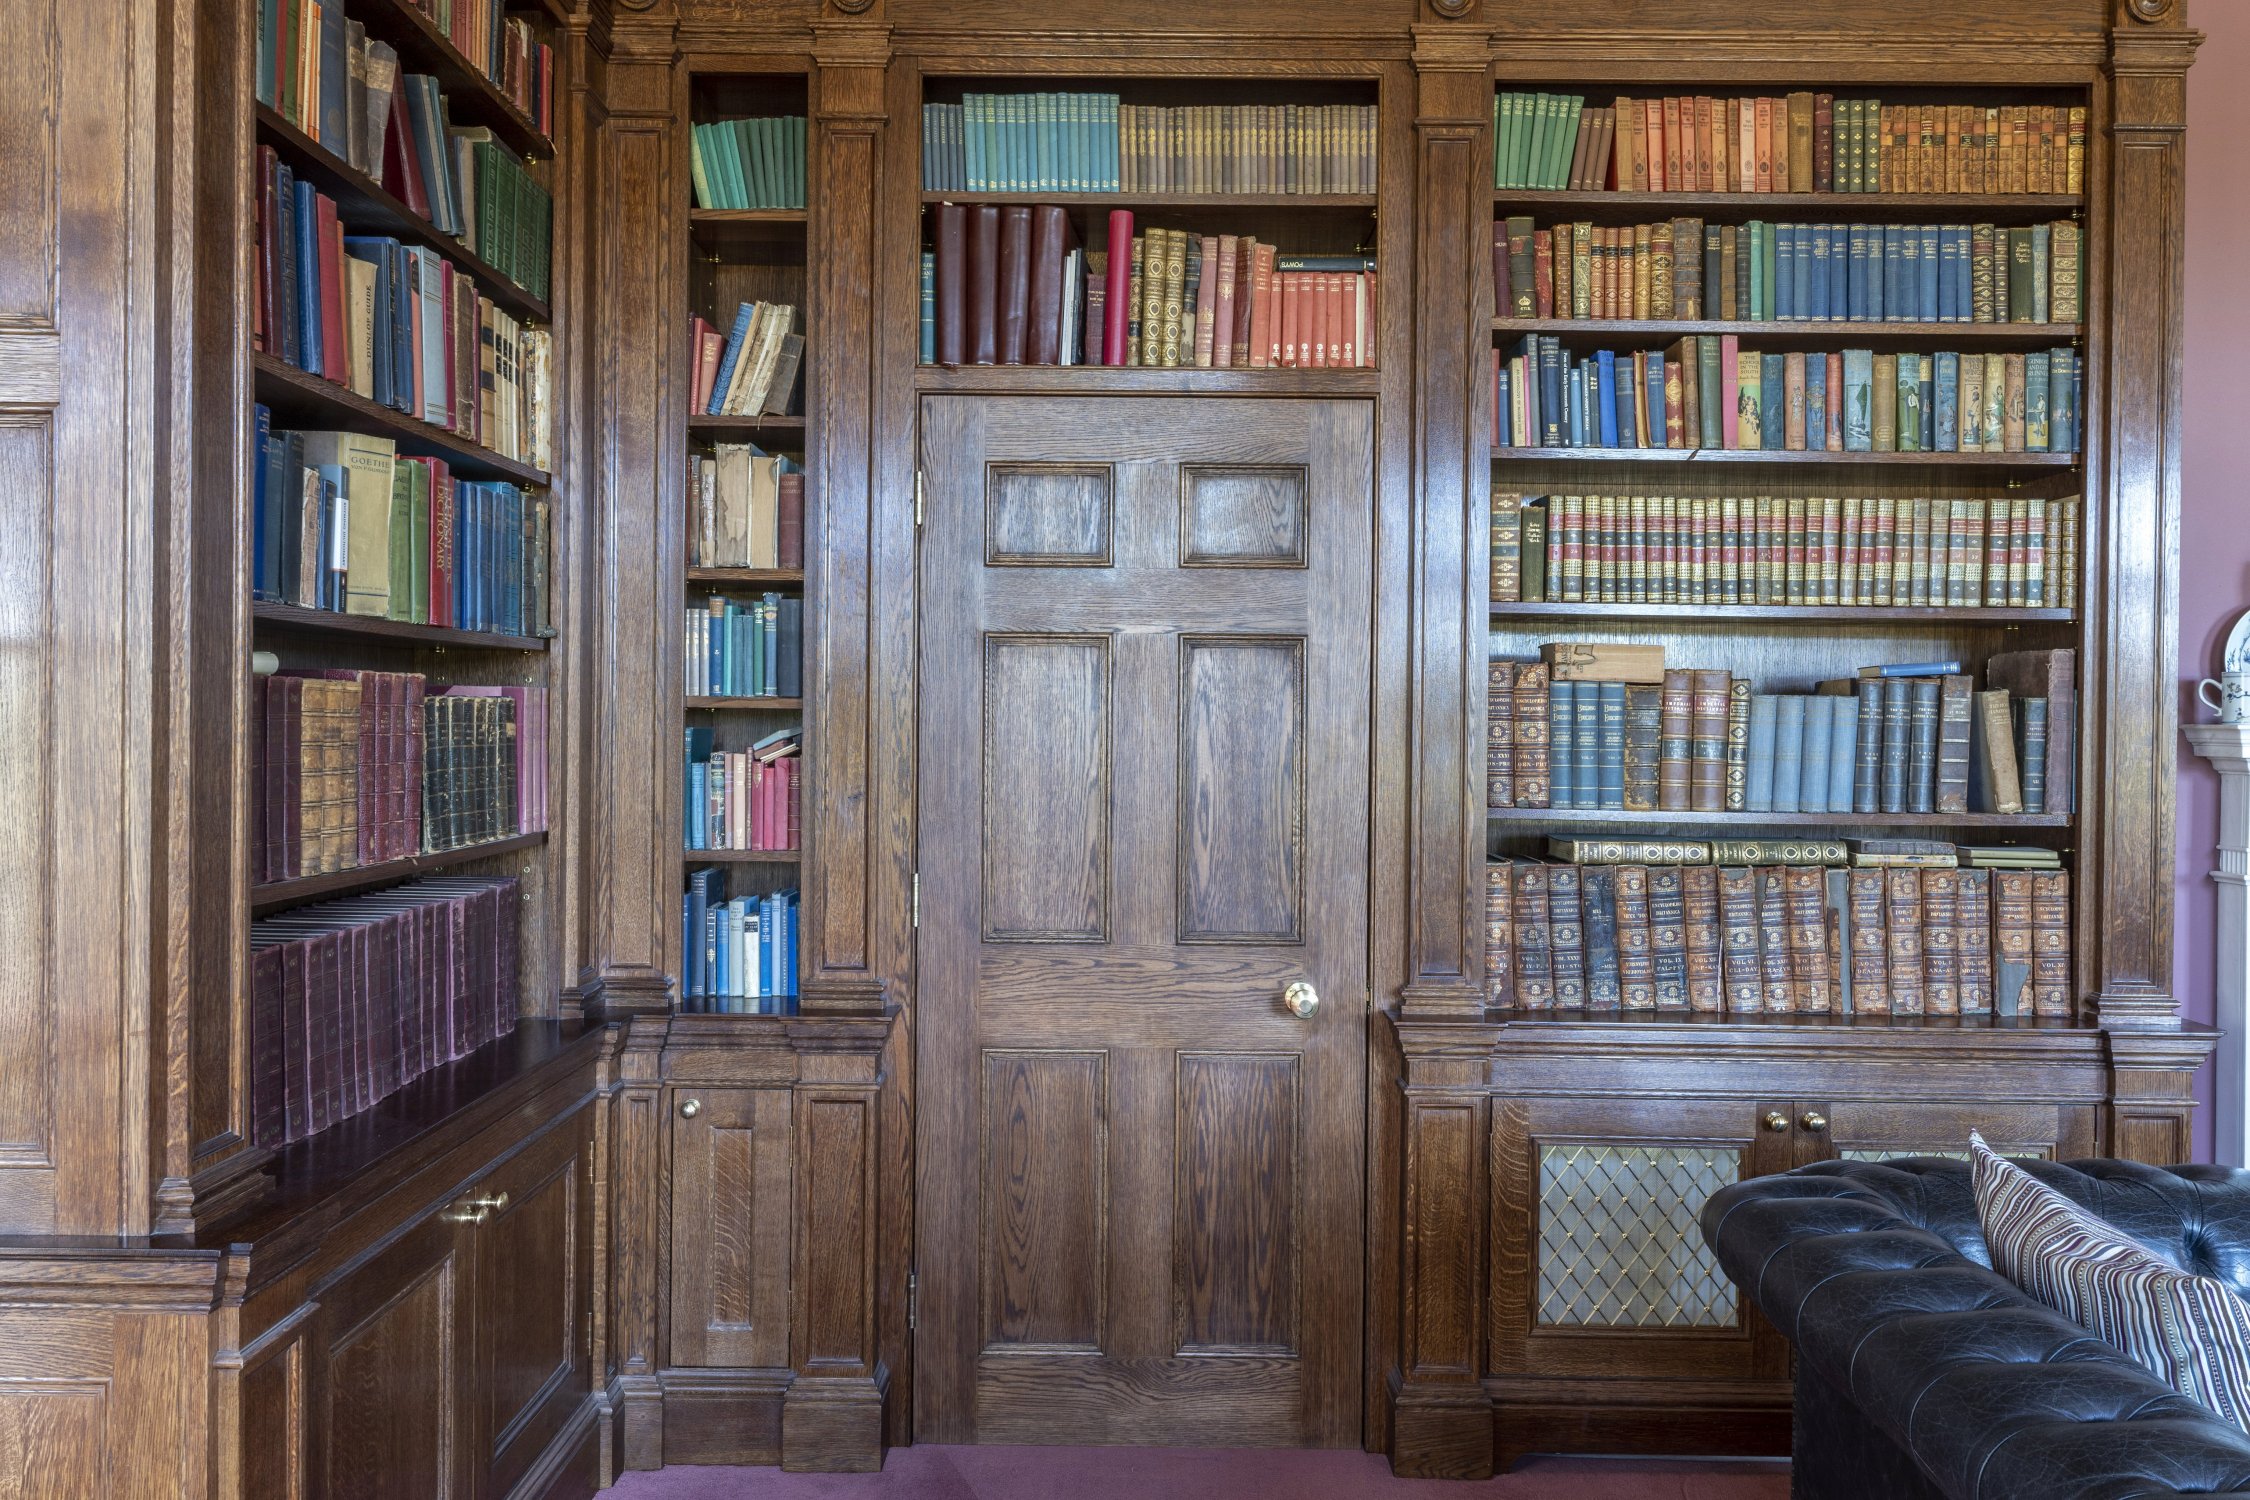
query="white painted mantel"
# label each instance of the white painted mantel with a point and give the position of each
(2227, 747)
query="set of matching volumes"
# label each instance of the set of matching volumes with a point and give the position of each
(750, 370)
(1742, 938)
(351, 1000)
(744, 648)
(1871, 551)
(1012, 286)
(744, 799)
(746, 509)
(398, 324)
(1611, 728)
(1795, 143)
(740, 956)
(353, 768)
(344, 521)
(1707, 392)
(1092, 143)
(319, 70)
(753, 163)
(1763, 273)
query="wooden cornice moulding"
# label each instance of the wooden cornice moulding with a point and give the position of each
(844, 995)
(851, 44)
(2145, 54)
(1451, 48)
(942, 50)
(111, 1280)
(1870, 58)
(615, 994)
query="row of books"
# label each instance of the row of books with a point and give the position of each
(1872, 551)
(1800, 142)
(751, 369)
(1879, 853)
(1092, 143)
(744, 648)
(1012, 286)
(747, 509)
(744, 799)
(753, 163)
(503, 48)
(320, 70)
(353, 768)
(740, 954)
(344, 521)
(351, 1000)
(398, 324)
(1816, 273)
(1777, 940)
(1708, 392)
(1896, 739)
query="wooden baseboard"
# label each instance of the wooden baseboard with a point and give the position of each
(571, 1468)
(722, 1416)
(1735, 1422)
(832, 1426)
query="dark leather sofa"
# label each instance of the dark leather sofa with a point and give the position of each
(1923, 1374)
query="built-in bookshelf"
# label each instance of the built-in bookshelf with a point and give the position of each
(1621, 268)
(742, 582)
(399, 527)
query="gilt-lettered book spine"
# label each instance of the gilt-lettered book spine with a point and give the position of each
(1535, 987)
(1499, 934)
(1531, 735)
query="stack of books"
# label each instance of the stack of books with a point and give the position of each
(1091, 143)
(351, 1000)
(1875, 550)
(1758, 934)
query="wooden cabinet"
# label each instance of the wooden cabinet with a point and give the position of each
(391, 1368)
(730, 1228)
(1872, 1129)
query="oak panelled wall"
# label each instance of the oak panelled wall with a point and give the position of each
(1044, 1150)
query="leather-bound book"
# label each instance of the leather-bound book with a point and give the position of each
(1015, 285)
(1955, 697)
(1868, 948)
(1535, 982)
(1591, 734)
(2051, 982)
(1675, 756)
(1804, 896)
(1667, 929)
(2053, 675)
(1903, 909)
(1500, 934)
(1500, 734)
(1566, 936)
(1972, 925)
(1941, 942)
(1531, 734)
(1776, 977)
(1052, 239)
(1117, 289)
(1711, 691)
(2011, 943)
(1598, 921)
(982, 341)
(1740, 958)
(1699, 886)
(1738, 744)
(1644, 711)
(789, 525)
(1636, 954)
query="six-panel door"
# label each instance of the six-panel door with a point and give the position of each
(1144, 793)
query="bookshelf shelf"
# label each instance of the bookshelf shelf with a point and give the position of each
(298, 398)
(1782, 456)
(734, 231)
(277, 894)
(1792, 333)
(743, 426)
(369, 208)
(291, 619)
(1725, 821)
(423, 48)
(743, 856)
(746, 705)
(1802, 614)
(1113, 380)
(1356, 202)
(747, 577)
(1841, 207)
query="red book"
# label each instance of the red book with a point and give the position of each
(1336, 286)
(334, 363)
(268, 307)
(951, 235)
(1119, 288)
(402, 168)
(1014, 303)
(1543, 273)
(1371, 330)
(1229, 256)
(1833, 391)
(1052, 240)
(1245, 271)
(1265, 323)
(789, 525)
(699, 386)
(796, 817)
(1285, 291)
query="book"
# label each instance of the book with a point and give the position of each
(1951, 790)
(1500, 734)
(1643, 746)
(1499, 934)
(2050, 675)
(1741, 952)
(2012, 946)
(1667, 928)
(1534, 978)
(1531, 735)
(2053, 985)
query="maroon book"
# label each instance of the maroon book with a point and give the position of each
(952, 284)
(1052, 239)
(789, 523)
(1015, 283)
(984, 287)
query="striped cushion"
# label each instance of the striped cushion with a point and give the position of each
(2191, 1330)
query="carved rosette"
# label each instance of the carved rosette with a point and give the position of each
(2151, 11)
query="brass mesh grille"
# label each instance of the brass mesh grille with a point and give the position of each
(1886, 1153)
(1619, 1246)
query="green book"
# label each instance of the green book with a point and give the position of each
(1500, 124)
(400, 544)
(1535, 158)
(418, 543)
(701, 179)
(1565, 141)
(1532, 555)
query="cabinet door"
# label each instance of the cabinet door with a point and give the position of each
(1599, 1266)
(534, 1265)
(730, 1227)
(393, 1418)
(1872, 1129)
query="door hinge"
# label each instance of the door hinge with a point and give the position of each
(917, 497)
(913, 1291)
(917, 898)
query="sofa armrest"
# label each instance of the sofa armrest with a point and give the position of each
(1995, 1396)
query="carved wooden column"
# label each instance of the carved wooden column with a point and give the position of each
(625, 842)
(635, 1201)
(839, 973)
(2133, 573)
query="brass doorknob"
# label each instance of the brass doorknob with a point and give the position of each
(1776, 1120)
(1813, 1119)
(1301, 999)
(690, 1108)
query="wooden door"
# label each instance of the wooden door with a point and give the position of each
(730, 1227)
(1144, 789)
(393, 1376)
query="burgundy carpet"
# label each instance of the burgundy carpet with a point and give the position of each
(929, 1472)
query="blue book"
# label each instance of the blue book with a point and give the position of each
(2062, 400)
(1562, 708)
(972, 143)
(1867, 768)
(265, 513)
(1623, 408)
(1898, 274)
(402, 329)
(1878, 271)
(310, 354)
(1802, 267)
(335, 82)
(1788, 751)
(1949, 250)
(1859, 400)
(2038, 388)
(1913, 669)
(1550, 391)
(1926, 276)
(1773, 402)
(1784, 272)
(1605, 395)
(1816, 402)
(1855, 274)
(733, 352)
(1837, 270)
(1503, 408)
(1580, 437)
(1925, 381)
(699, 803)
(1752, 246)
(1612, 754)
(1654, 365)
(1586, 748)
(928, 353)
(1946, 402)
(1812, 785)
(1843, 740)
(1757, 786)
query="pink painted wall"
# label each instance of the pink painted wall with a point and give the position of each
(2215, 465)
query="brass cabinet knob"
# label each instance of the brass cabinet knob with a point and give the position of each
(1776, 1120)
(1813, 1119)
(1301, 999)
(477, 1210)
(690, 1108)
